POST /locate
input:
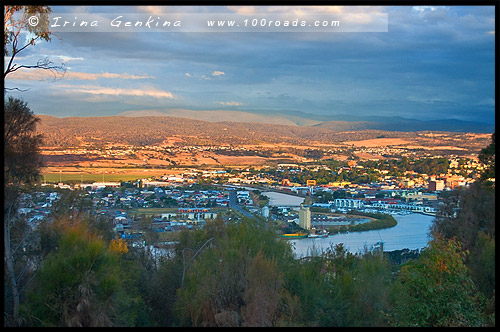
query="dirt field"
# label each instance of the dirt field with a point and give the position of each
(377, 142)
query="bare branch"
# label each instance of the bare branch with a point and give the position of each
(16, 89)
(12, 33)
(192, 259)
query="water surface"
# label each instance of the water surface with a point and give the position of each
(412, 232)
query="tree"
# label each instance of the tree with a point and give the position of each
(263, 292)
(16, 25)
(22, 164)
(236, 279)
(21, 158)
(487, 157)
(83, 283)
(468, 215)
(436, 290)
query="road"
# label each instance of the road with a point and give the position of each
(233, 203)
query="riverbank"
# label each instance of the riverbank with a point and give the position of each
(379, 221)
(411, 232)
(360, 222)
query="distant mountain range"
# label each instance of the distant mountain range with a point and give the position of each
(330, 122)
(223, 130)
(152, 130)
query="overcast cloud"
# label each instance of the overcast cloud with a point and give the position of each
(433, 63)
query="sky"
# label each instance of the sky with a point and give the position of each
(432, 62)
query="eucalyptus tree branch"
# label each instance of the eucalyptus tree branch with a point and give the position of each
(185, 266)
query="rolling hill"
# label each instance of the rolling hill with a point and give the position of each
(330, 122)
(150, 130)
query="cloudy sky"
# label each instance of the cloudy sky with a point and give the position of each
(432, 63)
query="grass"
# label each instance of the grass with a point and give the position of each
(75, 174)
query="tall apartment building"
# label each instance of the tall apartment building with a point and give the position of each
(436, 185)
(305, 217)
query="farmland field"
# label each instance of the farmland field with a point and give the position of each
(88, 175)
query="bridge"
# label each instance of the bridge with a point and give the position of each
(263, 188)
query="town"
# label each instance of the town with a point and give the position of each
(323, 194)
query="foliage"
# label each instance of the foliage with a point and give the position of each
(325, 196)
(399, 257)
(487, 157)
(26, 256)
(82, 283)
(381, 221)
(221, 289)
(372, 225)
(384, 221)
(161, 291)
(436, 289)
(430, 166)
(13, 26)
(468, 215)
(118, 246)
(21, 158)
(308, 298)
(338, 288)
(243, 274)
(21, 168)
(19, 35)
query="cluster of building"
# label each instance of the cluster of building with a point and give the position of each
(168, 221)
(156, 197)
(192, 208)
(244, 198)
(432, 183)
(36, 206)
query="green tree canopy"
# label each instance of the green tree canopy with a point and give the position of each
(436, 290)
(82, 283)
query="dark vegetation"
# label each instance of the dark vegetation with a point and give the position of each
(244, 275)
(381, 221)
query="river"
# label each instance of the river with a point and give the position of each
(412, 232)
(280, 199)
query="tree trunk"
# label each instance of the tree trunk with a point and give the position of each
(9, 262)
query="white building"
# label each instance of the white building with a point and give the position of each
(147, 183)
(305, 217)
(97, 185)
(348, 203)
(265, 211)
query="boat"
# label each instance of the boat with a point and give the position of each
(299, 235)
(324, 233)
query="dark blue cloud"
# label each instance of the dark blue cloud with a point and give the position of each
(432, 63)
